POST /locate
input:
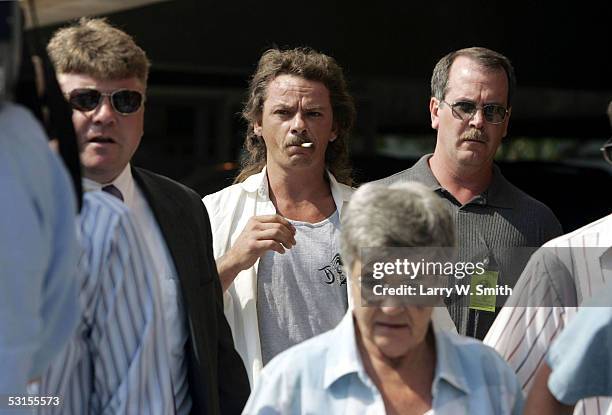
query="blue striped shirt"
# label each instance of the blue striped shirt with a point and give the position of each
(118, 362)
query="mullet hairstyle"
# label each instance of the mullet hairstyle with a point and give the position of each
(313, 66)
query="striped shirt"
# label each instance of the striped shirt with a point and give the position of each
(118, 362)
(523, 335)
(490, 226)
(172, 304)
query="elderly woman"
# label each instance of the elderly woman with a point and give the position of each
(388, 357)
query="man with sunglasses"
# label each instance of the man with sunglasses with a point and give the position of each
(470, 106)
(103, 75)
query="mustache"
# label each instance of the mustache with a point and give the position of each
(297, 140)
(474, 134)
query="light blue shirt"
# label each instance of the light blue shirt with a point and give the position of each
(325, 375)
(38, 251)
(581, 357)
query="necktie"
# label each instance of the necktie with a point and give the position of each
(112, 189)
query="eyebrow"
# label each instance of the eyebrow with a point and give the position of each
(283, 105)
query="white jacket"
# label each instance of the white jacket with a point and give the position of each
(229, 210)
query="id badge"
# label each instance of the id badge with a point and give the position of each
(483, 291)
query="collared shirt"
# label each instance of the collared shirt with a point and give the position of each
(118, 361)
(523, 335)
(490, 226)
(326, 375)
(38, 252)
(172, 301)
(229, 210)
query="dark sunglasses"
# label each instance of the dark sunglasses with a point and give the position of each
(465, 110)
(123, 101)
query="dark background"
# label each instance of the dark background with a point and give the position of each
(204, 51)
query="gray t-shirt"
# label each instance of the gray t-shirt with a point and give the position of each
(301, 293)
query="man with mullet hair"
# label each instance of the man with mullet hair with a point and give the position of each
(103, 74)
(277, 229)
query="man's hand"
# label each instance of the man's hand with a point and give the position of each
(261, 234)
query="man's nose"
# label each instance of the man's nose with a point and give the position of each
(298, 125)
(104, 113)
(478, 119)
(392, 307)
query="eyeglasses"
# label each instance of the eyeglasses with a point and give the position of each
(606, 150)
(123, 101)
(465, 111)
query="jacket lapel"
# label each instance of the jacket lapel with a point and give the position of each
(164, 209)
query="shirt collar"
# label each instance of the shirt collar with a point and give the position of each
(498, 194)
(256, 183)
(448, 363)
(124, 182)
(259, 183)
(344, 358)
(424, 175)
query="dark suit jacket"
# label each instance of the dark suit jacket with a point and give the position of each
(218, 382)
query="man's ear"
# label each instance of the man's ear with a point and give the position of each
(257, 128)
(334, 135)
(434, 107)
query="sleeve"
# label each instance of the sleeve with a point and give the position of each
(59, 303)
(580, 359)
(211, 205)
(38, 255)
(516, 392)
(533, 316)
(233, 381)
(21, 285)
(519, 402)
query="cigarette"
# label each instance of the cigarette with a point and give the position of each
(307, 145)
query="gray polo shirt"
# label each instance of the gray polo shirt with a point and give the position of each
(489, 227)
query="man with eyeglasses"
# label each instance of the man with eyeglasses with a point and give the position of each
(103, 75)
(470, 106)
(566, 275)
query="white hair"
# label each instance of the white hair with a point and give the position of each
(400, 215)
